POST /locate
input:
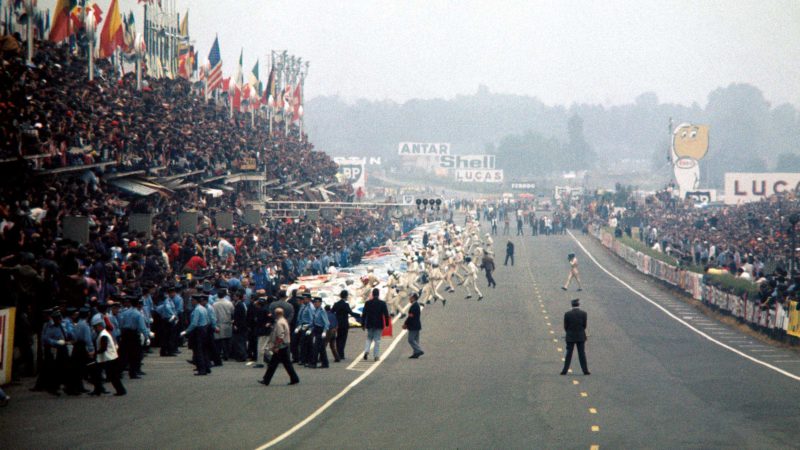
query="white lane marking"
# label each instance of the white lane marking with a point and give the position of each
(342, 393)
(681, 321)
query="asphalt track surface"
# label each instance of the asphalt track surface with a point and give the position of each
(489, 379)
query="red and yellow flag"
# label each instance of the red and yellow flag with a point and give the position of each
(60, 29)
(113, 35)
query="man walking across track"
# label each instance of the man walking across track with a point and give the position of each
(413, 325)
(374, 316)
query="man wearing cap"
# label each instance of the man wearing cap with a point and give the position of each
(575, 326)
(320, 326)
(240, 328)
(133, 331)
(303, 329)
(375, 315)
(177, 306)
(166, 327)
(82, 352)
(343, 313)
(56, 355)
(107, 359)
(212, 352)
(278, 342)
(198, 334)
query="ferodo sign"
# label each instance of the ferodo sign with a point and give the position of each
(479, 175)
(423, 149)
(467, 161)
(751, 187)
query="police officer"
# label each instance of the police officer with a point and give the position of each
(167, 324)
(197, 331)
(56, 355)
(133, 332)
(82, 353)
(320, 326)
(211, 346)
(303, 330)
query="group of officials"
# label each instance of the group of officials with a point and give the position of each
(93, 342)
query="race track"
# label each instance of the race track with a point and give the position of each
(489, 379)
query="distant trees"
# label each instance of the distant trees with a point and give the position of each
(529, 137)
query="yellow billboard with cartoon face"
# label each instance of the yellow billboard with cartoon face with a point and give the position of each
(690, 141)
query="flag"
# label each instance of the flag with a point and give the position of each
(297, 100)
(254, 81)
(184, 51)
(287, 96)
(112, 35)
(130, 33)
(239, 78)
(270, 90)
(214, 76)
(60, 29)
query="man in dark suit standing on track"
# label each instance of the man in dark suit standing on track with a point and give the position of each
(575, 326)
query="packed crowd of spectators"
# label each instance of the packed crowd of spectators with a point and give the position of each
(51, 109)
(752, 241)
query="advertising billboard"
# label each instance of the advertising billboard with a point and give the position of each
(479, 175)
(744, 187)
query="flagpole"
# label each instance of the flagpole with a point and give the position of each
(29, 8)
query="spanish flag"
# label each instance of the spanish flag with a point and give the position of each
(61, 27)
(112, 35)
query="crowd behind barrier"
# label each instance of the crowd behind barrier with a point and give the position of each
(730, 243)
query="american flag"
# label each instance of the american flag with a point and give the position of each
(214, 76)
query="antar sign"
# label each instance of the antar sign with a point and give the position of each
(750, 187)
(423, 149)
(467, 161)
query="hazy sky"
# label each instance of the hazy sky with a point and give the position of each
(560, 51)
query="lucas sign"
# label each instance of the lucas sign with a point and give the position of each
(423, 149)
(751, 187)
(479, 175)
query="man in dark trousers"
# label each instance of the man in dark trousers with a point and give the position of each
(509, 253)
(343, 312)
(413, 325)
(487, 264)
(240, 329)
(575, 326)
(374, 317)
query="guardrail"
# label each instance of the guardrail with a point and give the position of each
(773, 321)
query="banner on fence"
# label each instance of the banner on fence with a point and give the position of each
(794, 319)
(7, 317)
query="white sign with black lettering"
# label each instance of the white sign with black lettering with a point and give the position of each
(750, 187)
